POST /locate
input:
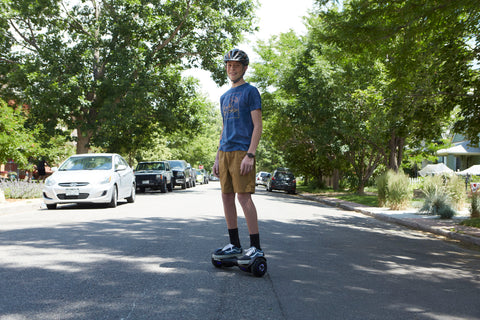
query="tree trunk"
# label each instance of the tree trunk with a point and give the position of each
(336, 179)
(361, 187)
(396, 145)
(83, 141)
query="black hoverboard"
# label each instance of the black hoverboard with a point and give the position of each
(257, 267)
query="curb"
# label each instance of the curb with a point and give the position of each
(464, 238)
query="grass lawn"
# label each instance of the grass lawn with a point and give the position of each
(366, 199)
(473, 222)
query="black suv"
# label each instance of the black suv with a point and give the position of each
(282, 179)
(181, 173)
(155, 175)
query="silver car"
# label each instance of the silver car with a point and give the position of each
(261, 178)
(90, 178)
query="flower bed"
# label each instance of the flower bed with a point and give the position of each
(16, 189)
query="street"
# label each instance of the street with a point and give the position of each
(151, 260)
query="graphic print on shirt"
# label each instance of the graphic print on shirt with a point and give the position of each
(231, 107)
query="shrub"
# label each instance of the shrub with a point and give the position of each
(393, 190)
(475, 206)
(16, 189)
(381, 182)
(431, 183)
(446, 212)
(455, 186)
(438, 202)
(399, 192)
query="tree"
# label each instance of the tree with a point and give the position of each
(425, 48)
(327, 111)
(113, 68)
(16, 142)
(296, 120)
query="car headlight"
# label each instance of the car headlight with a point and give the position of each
(158, 176)
(49, 182)
(106, 180)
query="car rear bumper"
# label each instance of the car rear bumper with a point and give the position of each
(284, 187)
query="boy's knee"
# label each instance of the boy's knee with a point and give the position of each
(244, 197)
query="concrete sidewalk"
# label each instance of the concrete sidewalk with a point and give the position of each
(410, 218)
(449, 228)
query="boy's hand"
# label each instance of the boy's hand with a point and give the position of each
(247, 165)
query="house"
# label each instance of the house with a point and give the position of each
(460, 155)
(8, 167)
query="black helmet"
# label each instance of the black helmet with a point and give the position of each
(236, 55)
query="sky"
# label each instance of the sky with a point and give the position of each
(275, 17)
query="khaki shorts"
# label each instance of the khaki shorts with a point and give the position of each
(231, 180)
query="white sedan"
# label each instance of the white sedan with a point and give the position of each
(90, 178)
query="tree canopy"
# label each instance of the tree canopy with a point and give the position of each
(368, 80)
(111, 69)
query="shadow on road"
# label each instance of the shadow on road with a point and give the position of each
(336, 265)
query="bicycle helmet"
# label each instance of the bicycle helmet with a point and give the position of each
(236, 55)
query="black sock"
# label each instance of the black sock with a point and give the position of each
(255, 241)
(234, 239)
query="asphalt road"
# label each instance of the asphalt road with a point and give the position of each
(151, 260)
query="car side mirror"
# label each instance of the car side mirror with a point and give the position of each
(121, 167)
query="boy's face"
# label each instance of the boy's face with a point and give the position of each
(235, 70)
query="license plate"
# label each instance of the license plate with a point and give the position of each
(72, 192)
(145, 181)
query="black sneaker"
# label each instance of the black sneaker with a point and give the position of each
(250, 255)
(229, 251)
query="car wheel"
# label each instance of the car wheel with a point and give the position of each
(170, 186)
(131, 199)
(184, 185)
(113, 201)
(52, 206)
(163, 187)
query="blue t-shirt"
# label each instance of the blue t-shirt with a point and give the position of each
(236, 105)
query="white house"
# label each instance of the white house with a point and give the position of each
(460, 155)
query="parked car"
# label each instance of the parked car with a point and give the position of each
(282, 179)
(193, 176)
(262, 178)
(202, 176)
(90, 178)
(155, 175)
(181, 173)
(212, 177)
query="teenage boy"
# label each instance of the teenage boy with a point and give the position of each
(235, 160)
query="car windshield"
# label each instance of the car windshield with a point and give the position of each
(285, 175)
(87, 163)
(150, 166)
(176, 164)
